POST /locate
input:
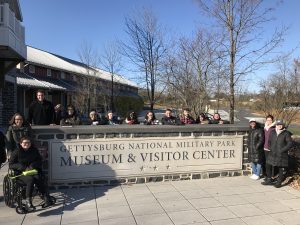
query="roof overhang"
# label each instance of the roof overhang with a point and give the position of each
(26, 80)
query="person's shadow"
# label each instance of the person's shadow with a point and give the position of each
(70, 198)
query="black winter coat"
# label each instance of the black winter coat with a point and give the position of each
(14, 134)
(70, 120)
(279, 146)
(20, 160)
(256, 145)
(41, 113)
(172, 120)
(2, 148)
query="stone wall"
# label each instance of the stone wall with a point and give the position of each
(43, 136)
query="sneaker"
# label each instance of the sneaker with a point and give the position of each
(255, 177)
(252, 176)
(28, 205)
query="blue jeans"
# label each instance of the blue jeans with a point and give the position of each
(256, 168)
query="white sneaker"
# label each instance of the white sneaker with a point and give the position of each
(255, 177)
(252, 176)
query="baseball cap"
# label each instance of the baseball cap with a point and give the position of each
(279, 122)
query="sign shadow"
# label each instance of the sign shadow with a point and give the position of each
(79, 194)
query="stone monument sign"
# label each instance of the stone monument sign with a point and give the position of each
(132, 157)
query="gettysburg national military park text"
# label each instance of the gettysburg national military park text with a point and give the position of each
(123, 157)
(170, 151)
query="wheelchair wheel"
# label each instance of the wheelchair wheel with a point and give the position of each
(8, 191)
(53, 200)
(21, 209)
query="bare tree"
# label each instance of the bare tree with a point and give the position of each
(88, 87)
(111, 61)
(145, 49)
(280, 91)
(191, 70)
(242, 23)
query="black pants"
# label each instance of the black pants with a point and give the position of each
(29, 181)
(282, 171)
(264, 164)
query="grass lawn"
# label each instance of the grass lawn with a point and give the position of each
(295, 131)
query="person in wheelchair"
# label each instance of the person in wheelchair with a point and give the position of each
(27, 157)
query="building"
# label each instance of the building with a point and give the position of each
(65, 81)
(12, 52)
(25, 69)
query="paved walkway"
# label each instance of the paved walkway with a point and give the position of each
(217, 201)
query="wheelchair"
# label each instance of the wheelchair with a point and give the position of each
(14, 193)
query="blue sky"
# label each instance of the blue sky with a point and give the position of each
(61, 26)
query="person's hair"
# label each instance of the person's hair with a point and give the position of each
(202, 115)
(132, 114)
(186, 109)
(169, 110)
(40, 91)
(270, 116)
(24, 138)
(93, 112)
(153, 118)
(71, 106)
(12, 120)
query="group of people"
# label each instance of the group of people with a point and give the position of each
(268, 150)
(267, 147)
(20, 151)
(42, 112)
(169, 119)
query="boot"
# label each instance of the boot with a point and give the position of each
(28, 205)
(47, 201)
(277, 184)
(268, 181)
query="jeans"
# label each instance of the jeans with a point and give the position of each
(256, 168)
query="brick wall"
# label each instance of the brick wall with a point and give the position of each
(9, 102)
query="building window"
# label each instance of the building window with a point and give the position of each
(63, 75)
(31, 69)
(74, 78)
(48, 72)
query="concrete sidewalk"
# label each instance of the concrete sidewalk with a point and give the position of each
(224, 201)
